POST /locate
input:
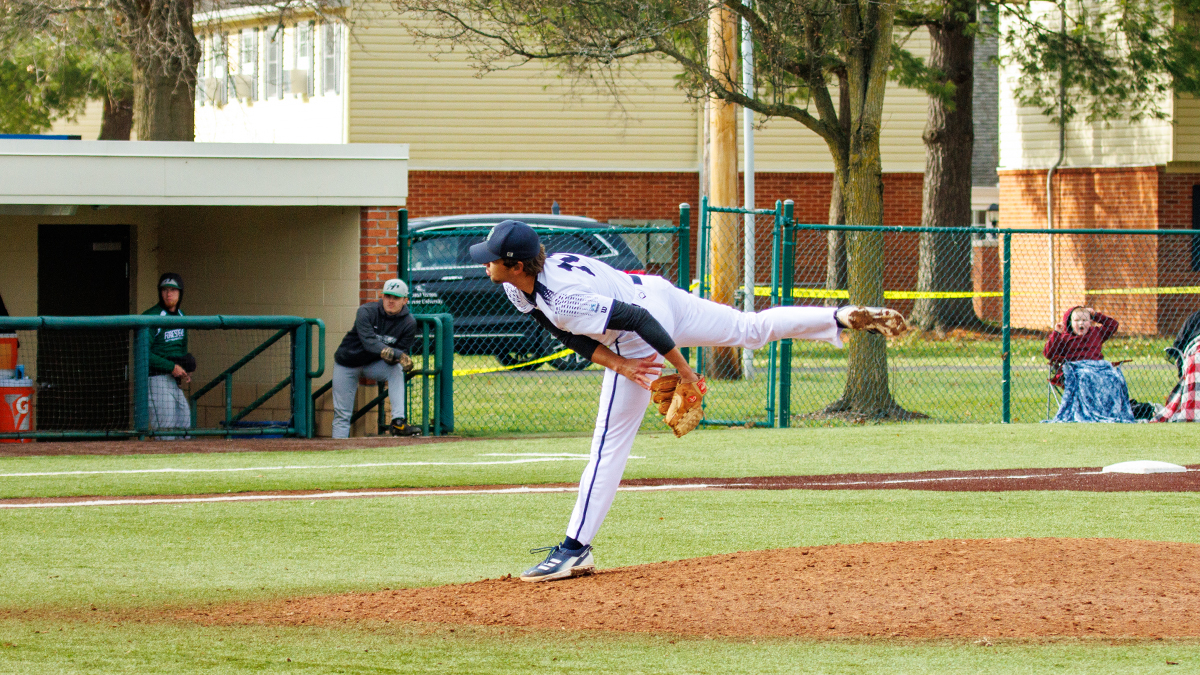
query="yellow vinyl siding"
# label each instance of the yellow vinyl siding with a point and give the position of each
(1186, 140)
(530, 117)
(1029, 139)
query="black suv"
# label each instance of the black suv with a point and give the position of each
(445, 279)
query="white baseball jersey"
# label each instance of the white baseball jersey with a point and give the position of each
(576, 294)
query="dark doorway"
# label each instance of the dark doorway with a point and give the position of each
(83, 376)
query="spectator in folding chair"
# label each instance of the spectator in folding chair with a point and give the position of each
(1080, 337)
(1182, 403)
(1092, 387)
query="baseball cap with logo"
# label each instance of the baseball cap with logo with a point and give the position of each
(510, 240)
(170, 280)
(395, 287)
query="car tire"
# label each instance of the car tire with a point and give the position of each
(513, 358)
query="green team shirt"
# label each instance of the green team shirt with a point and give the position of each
(166, 343)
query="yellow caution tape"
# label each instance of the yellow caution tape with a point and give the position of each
(1157, 290)
(497, 369)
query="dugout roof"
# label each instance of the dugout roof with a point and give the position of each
(166, 173)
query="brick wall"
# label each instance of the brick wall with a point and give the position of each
(378, 227)
(1108, 198)
(656, 196)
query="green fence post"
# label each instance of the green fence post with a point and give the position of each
(445, 363)
(1006, 335)
(402, 248)
(773, 348)
(683, 274)
(228, 403)
(301, 423)
(141, 380)
(787, 272)
(702, 268)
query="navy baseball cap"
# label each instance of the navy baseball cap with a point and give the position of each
(511, 240)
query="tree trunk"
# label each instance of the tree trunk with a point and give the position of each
(835, 250)
(165, 54)
(164, 104)
(945, 258)
(835, 257)
(117, 122)
(723, 188)
(870, 22)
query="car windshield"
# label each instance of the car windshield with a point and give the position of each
(440, 252)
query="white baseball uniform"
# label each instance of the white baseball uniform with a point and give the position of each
(576, 294)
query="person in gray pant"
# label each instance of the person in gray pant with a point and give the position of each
(377, 348)
(170, 363)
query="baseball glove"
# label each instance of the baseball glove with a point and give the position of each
(679, 402)
(393, 356)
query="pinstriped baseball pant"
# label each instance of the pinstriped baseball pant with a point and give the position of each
(692, 322)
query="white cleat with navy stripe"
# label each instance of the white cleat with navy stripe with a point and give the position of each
(561, 563)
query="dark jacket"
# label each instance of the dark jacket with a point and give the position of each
(1064, 345)
(373, 330)
(168, 346)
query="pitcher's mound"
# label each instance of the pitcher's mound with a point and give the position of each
(946, 588)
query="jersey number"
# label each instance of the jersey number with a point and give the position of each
(566, 261)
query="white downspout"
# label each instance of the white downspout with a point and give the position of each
(748, 180)
(1062, 150)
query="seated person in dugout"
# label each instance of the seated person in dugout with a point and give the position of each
(376, 348)
(170, 363)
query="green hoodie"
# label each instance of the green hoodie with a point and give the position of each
(166, 344)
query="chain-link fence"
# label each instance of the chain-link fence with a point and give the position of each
(510, 375)
(79, 377)
(984, 303)
(963, 362)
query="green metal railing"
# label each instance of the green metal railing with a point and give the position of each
(434, 365)
(300, 378)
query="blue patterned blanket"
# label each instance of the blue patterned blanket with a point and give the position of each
(1093, 391)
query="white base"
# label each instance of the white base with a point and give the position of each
(1143, 466)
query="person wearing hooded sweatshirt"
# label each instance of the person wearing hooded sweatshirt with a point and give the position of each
(1080, 337)
(170, 362)
(376, 347)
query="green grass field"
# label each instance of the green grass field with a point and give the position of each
(131, 561)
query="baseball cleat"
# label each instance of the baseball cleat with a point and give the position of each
(401, 427)
(881, 320)
(561, 563)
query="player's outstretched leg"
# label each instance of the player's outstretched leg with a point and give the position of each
(882, 320)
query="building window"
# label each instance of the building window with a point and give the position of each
(219, 82)
(202, 74)
(274, 62)
(331, 71)
(301, 80)
(247, 82)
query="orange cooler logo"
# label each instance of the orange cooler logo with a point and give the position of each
(18, 407)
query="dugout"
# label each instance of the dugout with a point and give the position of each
(87, 227)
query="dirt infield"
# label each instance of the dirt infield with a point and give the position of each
(1023, 588)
